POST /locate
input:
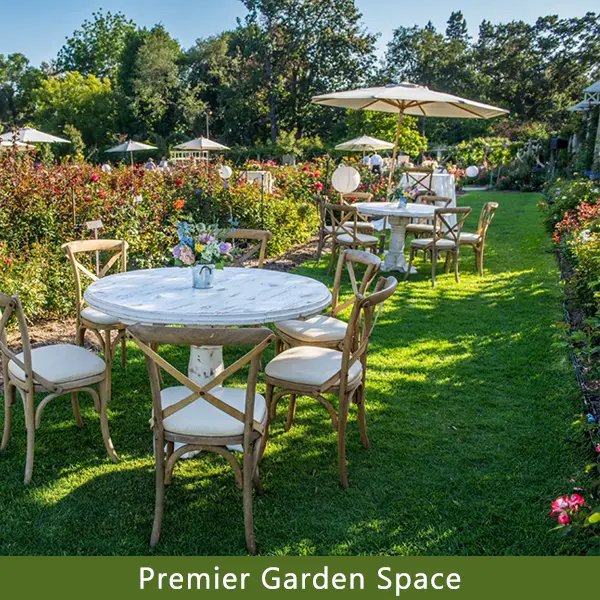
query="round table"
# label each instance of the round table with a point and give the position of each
(398, 218)
(239, 297)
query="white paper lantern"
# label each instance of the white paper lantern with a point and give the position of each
(472, 171)
(345, 179)
(225, 171)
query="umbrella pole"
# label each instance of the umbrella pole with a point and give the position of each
(395, 153)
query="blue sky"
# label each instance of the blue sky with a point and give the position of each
(38, 28)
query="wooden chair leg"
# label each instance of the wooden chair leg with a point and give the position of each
(159, 506)
(291, 412)
(248, 476)
(170, 446)
(76, 411)
(383, 236)
(447, 263)
(481, 252)
(362, 417)
(341, 433)
(80, 335)
(30, 425)
(123, 350)
(103, 393)
(108, 361)
(320, 246)
(434, 257)
(265, 437)
(456, 265)
(10, 398)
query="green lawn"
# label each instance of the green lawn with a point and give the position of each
(469, 407)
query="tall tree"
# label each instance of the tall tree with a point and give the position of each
(18, 81)
(96, 48)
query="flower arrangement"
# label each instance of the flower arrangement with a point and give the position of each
(201, 245)
(430, 163)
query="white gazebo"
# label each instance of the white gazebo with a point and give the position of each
(197, 148)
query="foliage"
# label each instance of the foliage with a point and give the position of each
(42, 206)
(564, 195)
(486, 152)
(85, 102)
(96, 48)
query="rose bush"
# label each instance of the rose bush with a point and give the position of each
(41, 207)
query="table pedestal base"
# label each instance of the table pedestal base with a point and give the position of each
(395, 258)
(206, 362)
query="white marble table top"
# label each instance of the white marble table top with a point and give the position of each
(239, 297)
(391, 209)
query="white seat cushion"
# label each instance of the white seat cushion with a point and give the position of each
(310, 365)
(95, 316)
(471, 238)
(60, 363)
(422, 242)
(363, 238)
(419, 227)
(203, 419)
(316, 329)
(361, 226)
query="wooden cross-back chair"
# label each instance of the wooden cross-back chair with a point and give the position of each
(444, 238)
(421, 178)
(363, 224)
(88, 318)
(477, 240)
(424, 227)
(207, 417)
(315, 371)
(329, 331)
(251, 250)
(54, 370)
(345, 232)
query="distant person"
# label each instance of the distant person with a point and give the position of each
(106, 168)
(164, 163)
(150, 165)
(366, 160)
(376, 163)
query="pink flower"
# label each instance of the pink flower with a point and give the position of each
(598, 448)
(187, 256)
(575, 501)
(559, 505)
(95, 177)
(563, 518)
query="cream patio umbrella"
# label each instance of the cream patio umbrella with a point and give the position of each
(201, 143)
(131, 147)
(364, 143)
(28, 135)
(408, 99)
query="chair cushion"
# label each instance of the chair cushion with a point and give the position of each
(424, 242)
(316, 329)
(361, 226)
(363, 238)
(60, 363)
(203, 419)
(470, 238)
(310, 365)
(95, 316)
(419, 228)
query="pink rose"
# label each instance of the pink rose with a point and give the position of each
(95, 177)
(575, 501)
(563, 518)
(559, 505)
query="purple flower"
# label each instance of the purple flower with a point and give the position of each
(187, 256)
(177, 251)
(225, 247)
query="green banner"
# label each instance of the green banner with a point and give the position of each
(249, 577)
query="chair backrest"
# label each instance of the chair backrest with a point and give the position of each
(442, 226)
(116, 249)
(360, 328)
(440, 201)
(420, 177)
(358, 196)
(10, 306)
(259, 236)
(344, 219)
(260, 338)
(485, 218)
(349, 258)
